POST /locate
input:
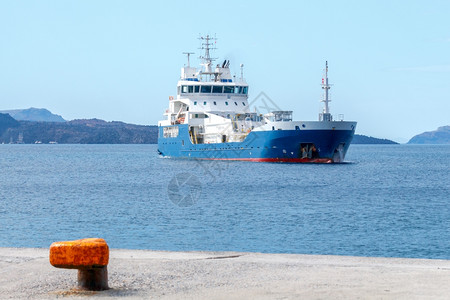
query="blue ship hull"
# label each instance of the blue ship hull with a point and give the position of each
(270, 146)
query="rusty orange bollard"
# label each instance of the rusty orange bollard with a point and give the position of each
(89, 256)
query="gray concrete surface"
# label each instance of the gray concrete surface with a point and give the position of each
(26, 273)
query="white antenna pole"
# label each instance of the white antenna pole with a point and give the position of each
(242, 72)
(326, 116)
(188, 54)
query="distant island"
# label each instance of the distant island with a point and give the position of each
(92, 131)
(38, 125)
(438, 136)
(364, 139)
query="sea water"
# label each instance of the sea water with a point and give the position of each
(391, 201)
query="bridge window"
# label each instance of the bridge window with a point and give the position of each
(191, 89)
(241, 90)
(226, 102)
(195, 102)
(235, 103)
(206, 89)
(217, 89)
(215, 103)
(204, 103)
(228, 89)
(243, 103)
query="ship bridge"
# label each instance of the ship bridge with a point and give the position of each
(211, 101)
(205, 91)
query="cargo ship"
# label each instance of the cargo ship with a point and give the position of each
(210, 119)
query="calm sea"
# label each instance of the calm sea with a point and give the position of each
(389, 201)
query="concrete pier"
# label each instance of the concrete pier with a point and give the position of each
(137, 274)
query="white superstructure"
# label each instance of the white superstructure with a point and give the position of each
(212, 101)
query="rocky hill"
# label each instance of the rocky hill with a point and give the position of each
(33, 114)
(364, 139)
(6, 122)
(75, 132)
(439, 136)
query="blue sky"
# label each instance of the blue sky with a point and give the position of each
(389, 61)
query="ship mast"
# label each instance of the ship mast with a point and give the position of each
(207, 59)
(325, 115)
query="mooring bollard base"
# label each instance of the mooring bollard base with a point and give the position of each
(90, 256)
(93, 279)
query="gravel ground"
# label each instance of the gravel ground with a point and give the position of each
(26, 273)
